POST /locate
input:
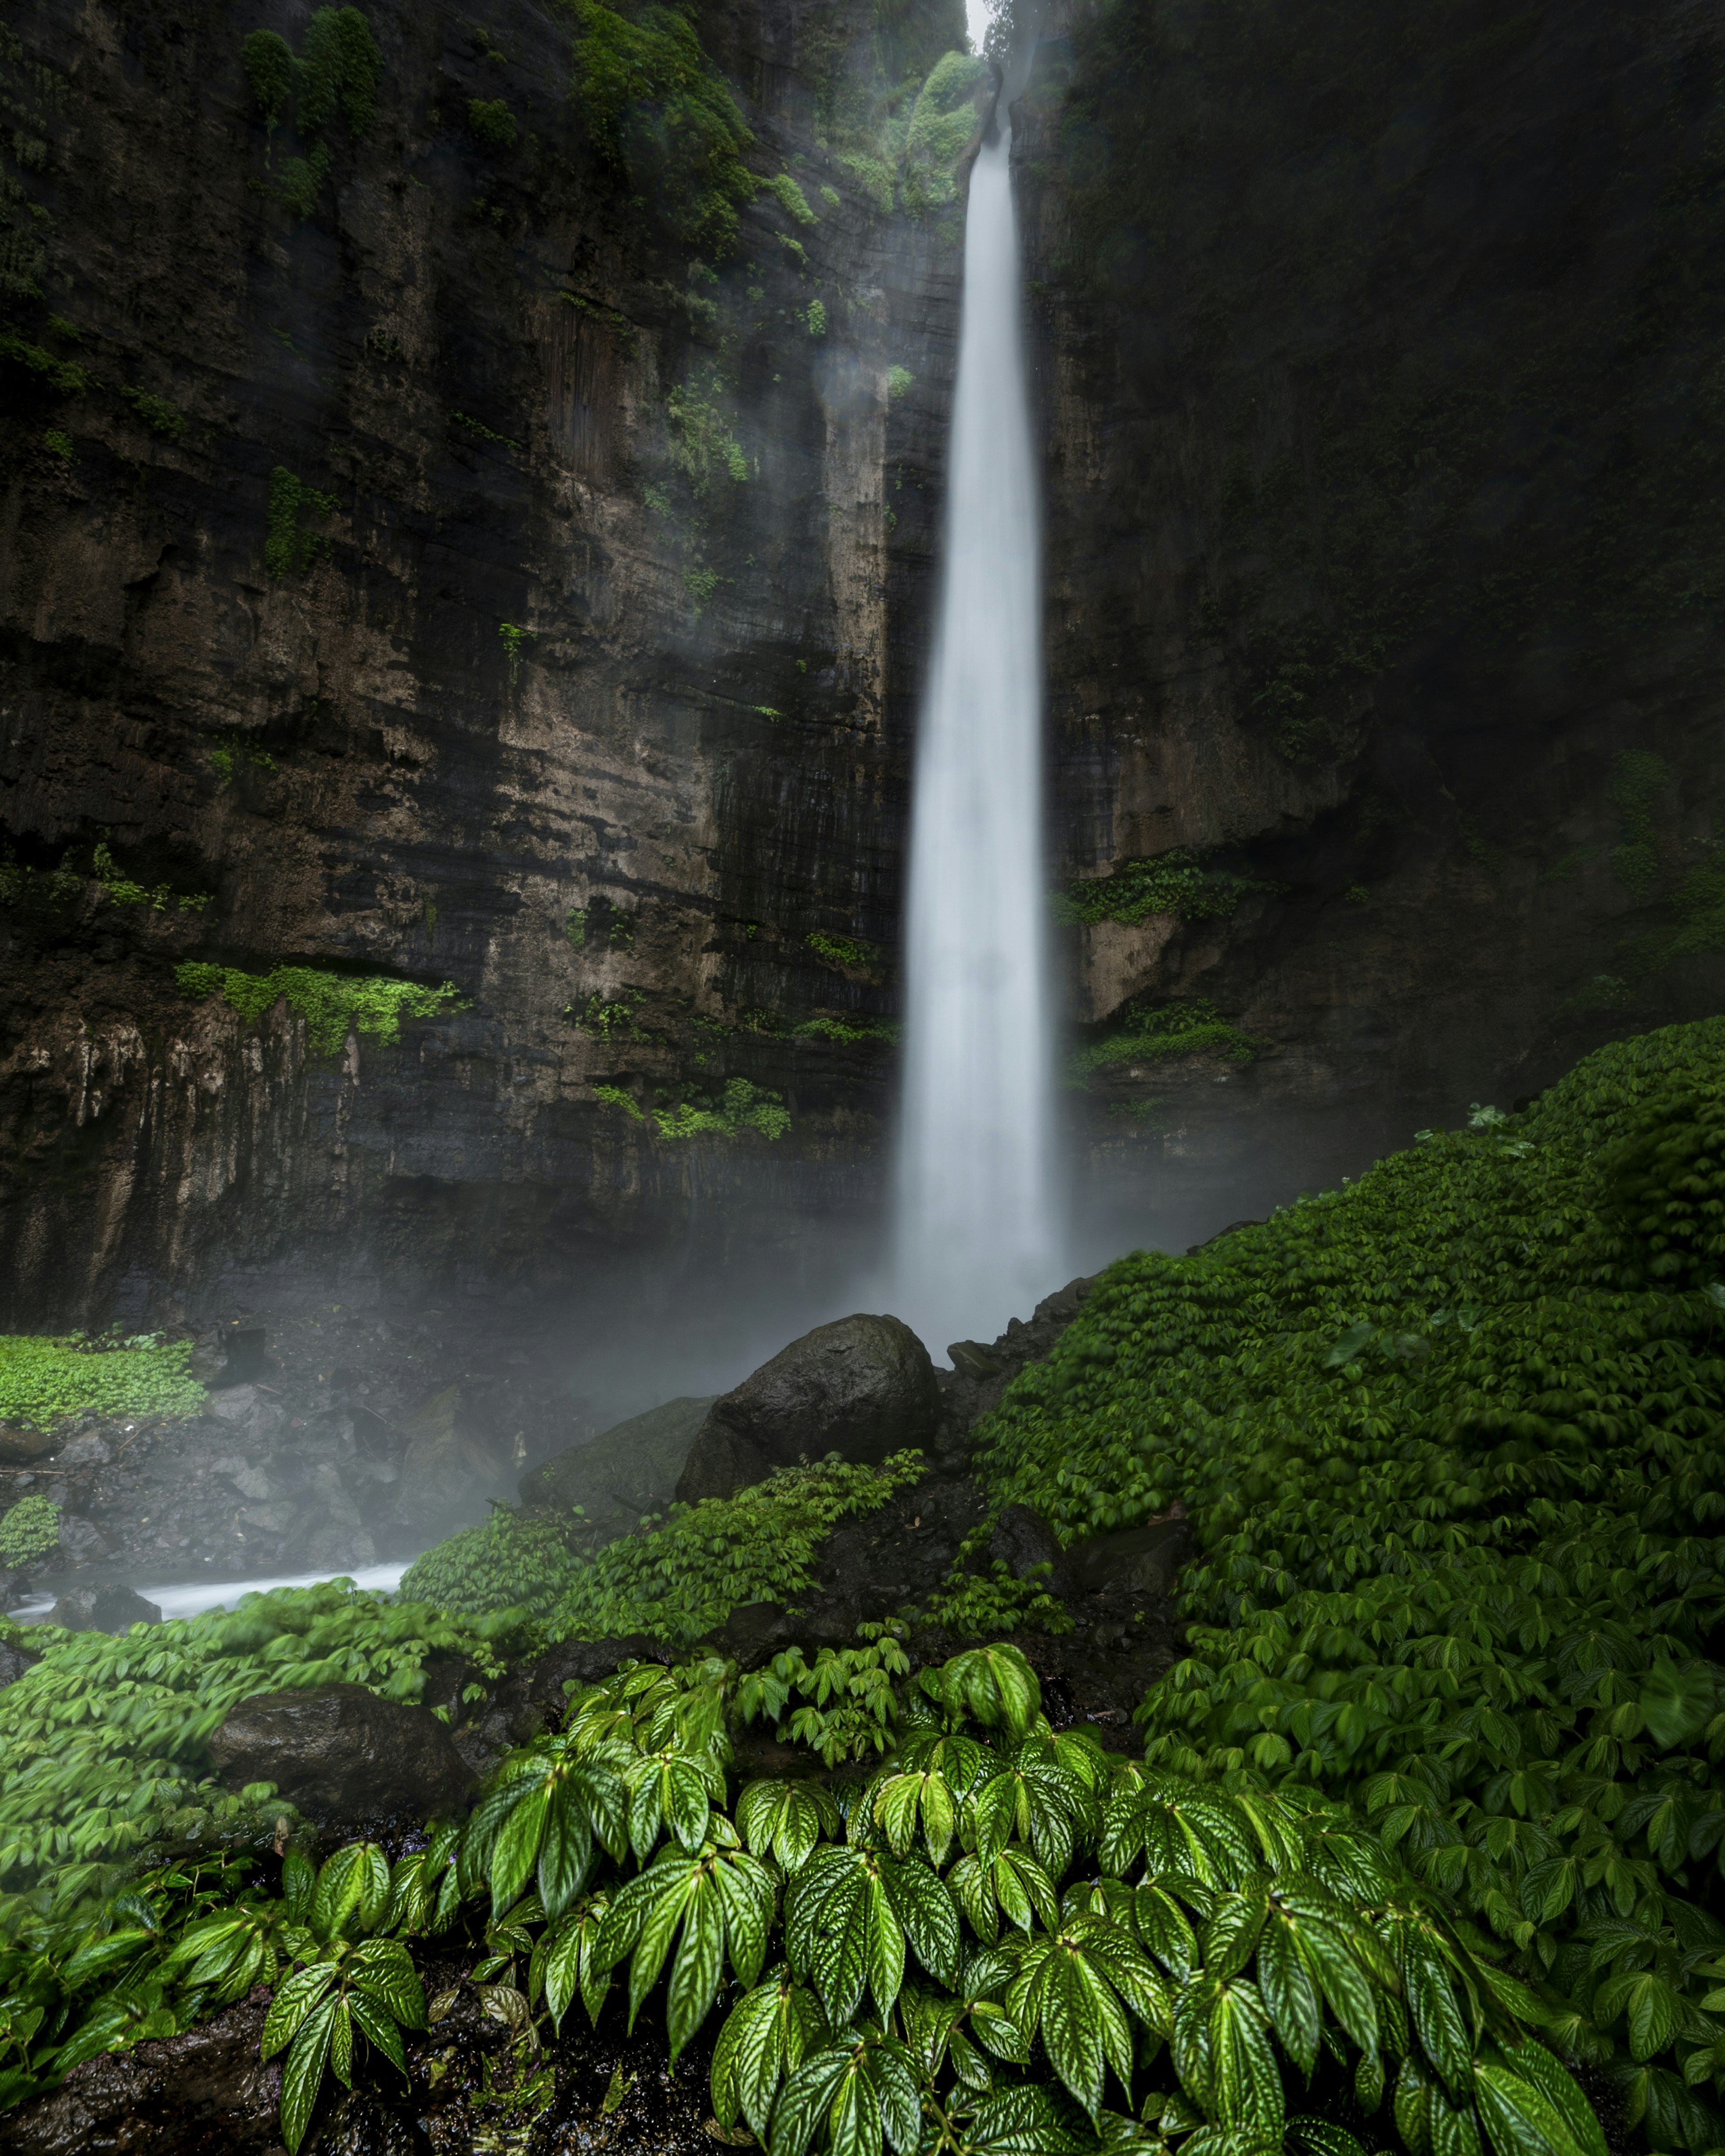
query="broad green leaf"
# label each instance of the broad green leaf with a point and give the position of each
(352, 1891)
(385, 1968)
(700, 1956)
(1289, 1994)
(302, 2073)
(378, 2025)
(993, 1684)
(292, 2003)
(767, 2035)
(1431, 2006)
(1676, 1704)
(565, 1854)
(785, 1819)
(1520, 2117)
(1533, 2063)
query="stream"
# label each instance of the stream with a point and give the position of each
(192, 1598)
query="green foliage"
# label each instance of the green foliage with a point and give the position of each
(329, 1002)
(156, 413)
(848, 1707)
(125, 891)
(875, 178)
(103, 1741)
(1175, 882)
(43, 1377)
(575, 928)
(59, 886)
(512, 1559)
(1161, 1032)
(681, 1580)
(1638, 779)
(612, 1018)
(943, 122)
(30, 1528)
(792, 199)
(491, 122)
(815, 315)
(58, 444)
(339, 64)
(228, 756)
(702, 446)
(64, 375)
(1450, 1439)
(898, 381)
(303, 180)
(840, 952)
(269, 69)
(741, 1107)
(511, 637)
(665, 116)
(289, 548)
(613, 1096)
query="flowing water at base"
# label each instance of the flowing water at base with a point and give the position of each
(192, 1598)
(978, 1236)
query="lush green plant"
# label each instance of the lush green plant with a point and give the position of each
(329, 1002)
(1161, 1032)
(898, 381)
(840, 952)
(611, 1018)
(512, 636)
(491, 122)
(44, 1377)
(815, 315)
(874, 177)
(943, 122)
(1175, 882)
(511, 1560)
(227, 756)
(613, 1096)
(156, 413)
(680, 1579)
(58, 444)
(339, 64)
(29, 1530)
(792, 199)
(103, 1740)
(742, 1106)
(702, 446)
(665, 116)
(1450, 1442)
(269, 62)
(64, 375)
(126, 890)
(290, 549)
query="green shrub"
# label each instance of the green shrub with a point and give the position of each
(663, 114)
(491, 122)
(702, 446)
(43, 1377)
(511, 1560)
(58, 444)
(1163, 1033)
(792, 199)
(29, 1530)
(874, 177)
(64, 375)
(289, 548)
(329, 1002)
(269, 69)
(682, 1580)
(840, 952)
(339, 62)
(1451, 1440)
(741, 1107)
(156, 413)
(1175, 882)
(943, 122)
(898, 381)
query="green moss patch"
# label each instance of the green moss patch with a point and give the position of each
(329, 1002)
(43, 1377)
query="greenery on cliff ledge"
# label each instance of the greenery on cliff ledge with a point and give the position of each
(1452, 1440)
(329, 1002)
(43, 1377)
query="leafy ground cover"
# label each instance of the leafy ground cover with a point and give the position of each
(43, 1377)
(329, 1002)
(1451, 1438)
(1001, 1941)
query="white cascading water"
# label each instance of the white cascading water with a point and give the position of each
(977, 1238)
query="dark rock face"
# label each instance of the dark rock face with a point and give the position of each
(1022, 1540)
(113, 1609)
(1143, 1560)
(863, 1387)
(13, 1665)
(339, 1752)
(204, 2093)
(623, 1472)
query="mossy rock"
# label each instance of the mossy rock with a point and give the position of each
(622, 1473)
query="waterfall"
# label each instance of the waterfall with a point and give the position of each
(976, 1236)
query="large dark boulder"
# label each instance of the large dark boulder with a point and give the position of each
(112, 1609)
(1144, 1560)
(623, 1472)
(863, 1388)
(339, 1752)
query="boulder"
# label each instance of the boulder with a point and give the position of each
(1143, 1560)
(88, 1449)
(81, 1541)
(1022, 1540)
(13, 1664)
(206, 2089)
(339, 1752)
(445, 1469)
(624, 1471)
(113, 1609)
(863, 1388)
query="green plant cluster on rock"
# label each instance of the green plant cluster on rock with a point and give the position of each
(329, 1002)
(1176, 882)
(337, 69)
(29, 1531)
(510, 1560)
(665, 118)
(1163, 1033)
(44, 1378)
(1451, 1440)
(998, 1941)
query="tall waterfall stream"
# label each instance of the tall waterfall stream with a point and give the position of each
(979, 1235)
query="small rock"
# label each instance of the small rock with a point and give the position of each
(113, 1609)
(81, 1542)
(13, 1664)
(87, 1451)
(1144, 1560)
(972, 1361)
(1023, 1539)
(863, 1388)
(236, 1404)
(19, 1446)
(338, 1751)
